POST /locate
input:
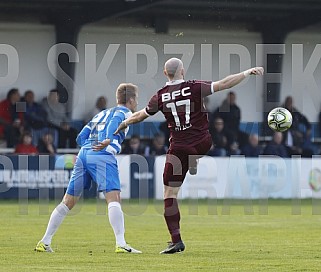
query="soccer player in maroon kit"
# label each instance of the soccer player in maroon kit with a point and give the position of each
(181, 102)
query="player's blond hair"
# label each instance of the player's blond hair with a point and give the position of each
(125, 92)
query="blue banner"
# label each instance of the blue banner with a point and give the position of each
(42, 176)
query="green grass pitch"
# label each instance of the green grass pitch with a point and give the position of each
(219, 236)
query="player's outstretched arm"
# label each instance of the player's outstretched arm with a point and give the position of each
(135, 118)
(232, 80)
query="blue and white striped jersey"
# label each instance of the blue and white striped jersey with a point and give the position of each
(103, 126)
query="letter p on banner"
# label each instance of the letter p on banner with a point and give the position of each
(6, 168)
(12, 73)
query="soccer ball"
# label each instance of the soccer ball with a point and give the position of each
(279, 119)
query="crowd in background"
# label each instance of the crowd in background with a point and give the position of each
(32, 127)
(228, 139)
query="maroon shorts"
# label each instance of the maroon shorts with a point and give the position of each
(180, 158)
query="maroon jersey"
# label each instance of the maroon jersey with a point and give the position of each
(181, 102)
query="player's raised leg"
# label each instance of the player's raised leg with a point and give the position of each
(198, 151)
(193, 163)
(56, 218)
(116, 220)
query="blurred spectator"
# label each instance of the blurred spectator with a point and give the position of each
(57, 118)
(297, 138)
(229, 112)
(234, 149)
(134, 146)
(276, 147)
(11, 120)
(35, 115)
(158, 146)
(231, 115)
(36, 118)
(212, 151)
(46, 144)
(165, 131)
(252, 148)
(220, 137)
(101, 104)
(25, 146)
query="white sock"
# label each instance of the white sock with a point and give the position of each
(56, 218)
(116, 220)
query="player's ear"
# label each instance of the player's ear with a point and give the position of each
(132, 100)
(165, 73)
(183, 72)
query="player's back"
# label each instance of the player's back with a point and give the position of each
(182, 105)
(96, 130)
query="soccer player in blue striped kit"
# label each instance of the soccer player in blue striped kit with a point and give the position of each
(96, 161)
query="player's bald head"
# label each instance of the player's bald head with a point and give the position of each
(173, 68)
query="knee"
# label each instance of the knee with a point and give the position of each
(170, 192)
(69, 204)
(113, 196)
(69, 201)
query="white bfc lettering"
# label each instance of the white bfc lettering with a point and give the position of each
(185, 89)
(172, 96)
(166, 97)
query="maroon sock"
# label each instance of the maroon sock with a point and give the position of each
(172, 218)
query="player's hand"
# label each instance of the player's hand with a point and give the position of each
(101, 145)
(122, 126)
(258, 71)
